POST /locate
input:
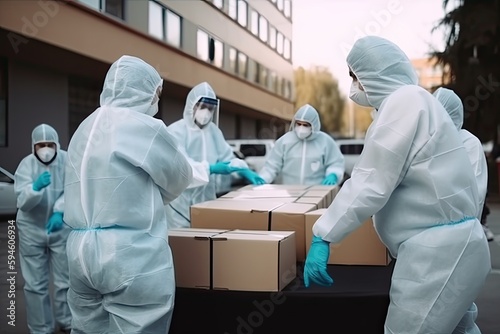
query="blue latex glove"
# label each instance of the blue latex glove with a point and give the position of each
(55, 222)
(330, 180)
(316, 263)
(251, 176)
(42, 181)
(223, 168)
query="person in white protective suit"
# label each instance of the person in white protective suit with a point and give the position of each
(424, 208)
(123, 168)
(305, 154)
(39, 186)
(204, 143)
(452, 103)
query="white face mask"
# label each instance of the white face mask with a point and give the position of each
(203, 116)
(358, 96)
(46, 153)
(303, 131)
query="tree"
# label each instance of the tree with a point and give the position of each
(471, 56)
(319, 88)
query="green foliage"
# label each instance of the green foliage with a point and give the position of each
(319, 88)
(471, 56)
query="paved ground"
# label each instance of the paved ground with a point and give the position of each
(11, 290)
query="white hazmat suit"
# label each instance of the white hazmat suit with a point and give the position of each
(304, 161)
(204, 146)
(43, 254)
(453, 105)
(123, 167)
(424, 207)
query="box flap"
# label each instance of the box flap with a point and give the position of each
(295, 208)
(248, 206)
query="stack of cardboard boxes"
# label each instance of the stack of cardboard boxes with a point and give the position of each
(251, 239)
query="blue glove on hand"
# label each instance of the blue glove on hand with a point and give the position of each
(42, 181)
(316, 263)
(330, 180)
(55, 222)
(223, 168)
(251, 176)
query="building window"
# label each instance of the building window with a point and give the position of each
(280, 5)
(254, 23)
(3, 102)
(279, 43)
(263, 76)
(219, 3)
(202, 47)
(287, 50)
(112, 7)
(257, 72)
(242, 64)
(164, 24)
(287, 89)
(218, 56)
(288, 8)
(263, 31)
(233, 60)
(233, 9)
(242, 12)
(272, 37)
(173, 27)
(273, 80)
(210, 49)
(96, 4)
(155, 24)
(115, 8)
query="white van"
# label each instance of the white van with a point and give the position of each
(351, 148)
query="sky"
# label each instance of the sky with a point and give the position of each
(325, 30)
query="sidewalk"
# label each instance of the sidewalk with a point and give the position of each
(487, 302)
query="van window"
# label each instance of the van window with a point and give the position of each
(351, 148)
(253, 150)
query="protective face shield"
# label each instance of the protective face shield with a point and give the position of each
(303, 131)
(46, 154)
(205, 110)
(358, 95)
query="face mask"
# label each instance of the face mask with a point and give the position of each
(152, 110)
(303, 131)
(203, 116)
(358, 96)
(46, 154)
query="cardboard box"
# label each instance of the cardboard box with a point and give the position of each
(361, 247)
(258, 199)
(266, 187)
(319, 202)
(324, 194)
(253, 260)
(263, 194)
(291, 217)
(333, 191)
(192, 254)
(231, 214)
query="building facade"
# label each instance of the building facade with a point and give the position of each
(54, 56)
(430, 73)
